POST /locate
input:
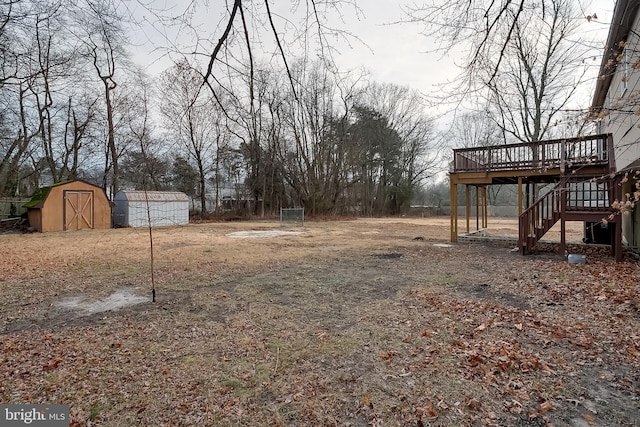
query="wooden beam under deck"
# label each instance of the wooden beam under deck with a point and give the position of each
(485, 212)
(467, 206)
(513, 177)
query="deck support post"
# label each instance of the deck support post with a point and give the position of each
(520, 196)
(563, 242)
(563, 208)
(477, 209)
(467, 207)
(484, 205)
(617, 240)
(453, 205)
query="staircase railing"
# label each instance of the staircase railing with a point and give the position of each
(578, 198)
(539, 218)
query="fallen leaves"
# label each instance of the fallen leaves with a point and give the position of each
(474, 404)
(589, 419)
(427, 410)
(367, 402)
(571, 329)
(346, 343)
(52, 365)
(546, 406)
(387, 356)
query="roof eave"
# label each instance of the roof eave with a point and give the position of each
(624, 15)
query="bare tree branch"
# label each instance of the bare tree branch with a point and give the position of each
(221, 41)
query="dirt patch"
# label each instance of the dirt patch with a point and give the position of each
(117, 300)
(263, 234)
(351, 323)
(442, 245)
(485, 291)
(392, 255)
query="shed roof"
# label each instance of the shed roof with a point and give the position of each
(40, 195)
(152, 196)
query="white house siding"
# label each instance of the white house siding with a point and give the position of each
(619, 96)
(631, 220)
(158, 208)
(622, 98)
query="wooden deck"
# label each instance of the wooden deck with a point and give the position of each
(543, 157)
(582, 170)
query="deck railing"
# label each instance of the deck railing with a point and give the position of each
(589, 196)
(542, 155)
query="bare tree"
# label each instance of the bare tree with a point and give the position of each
(49, 64)
(316, 117)
(527, 58)
(13, 17)
(540, 73)
(100, 28)
(193, 119)
(406, 110)
(16, 145)
(474, 129)
(18, 128)
(394, 143)
(37, 95)
(144, 166)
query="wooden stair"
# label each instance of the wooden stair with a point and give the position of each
(539, 218)
(581, 198)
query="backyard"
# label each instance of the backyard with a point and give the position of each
(379, 322)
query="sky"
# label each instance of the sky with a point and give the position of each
(395, 52)
(401, 54)
(391, 52)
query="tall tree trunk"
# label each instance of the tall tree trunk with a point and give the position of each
(111, 135)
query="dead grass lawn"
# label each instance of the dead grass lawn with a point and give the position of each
(351, 323)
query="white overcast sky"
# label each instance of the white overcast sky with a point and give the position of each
(401, 54)
(393, 53)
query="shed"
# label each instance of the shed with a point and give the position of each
(71, 205)
(136, 208)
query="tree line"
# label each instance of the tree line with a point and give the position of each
(237, 116)
(74, 105)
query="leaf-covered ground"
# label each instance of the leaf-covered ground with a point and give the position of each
(351, 324)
